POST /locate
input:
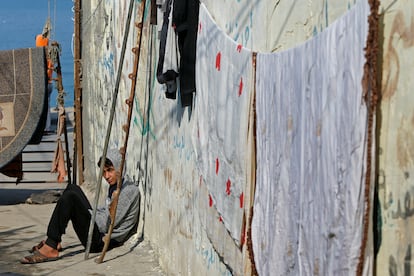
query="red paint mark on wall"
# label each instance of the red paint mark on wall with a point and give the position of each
(199, 28)
(217, 165)
(218, 61)
(210, 201)
(220, 219)
(228, 187)
(241, 200)
(239, 48)
(241, 86)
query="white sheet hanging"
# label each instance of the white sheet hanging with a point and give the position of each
(223, 78)
(311, 142)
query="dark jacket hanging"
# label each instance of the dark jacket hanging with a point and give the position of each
(185, 20)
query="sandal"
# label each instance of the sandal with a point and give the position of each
(37, 247)
(37, 257)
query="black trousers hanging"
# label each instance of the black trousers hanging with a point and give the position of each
(73, 206)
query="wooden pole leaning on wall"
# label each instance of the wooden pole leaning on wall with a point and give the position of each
(249, 265)
(126, 128)
(78, 145)
(108, 131)
(370, 93)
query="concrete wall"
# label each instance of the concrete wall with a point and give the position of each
(176, 216)
(269, 26)
(160, 154)
(395, 132)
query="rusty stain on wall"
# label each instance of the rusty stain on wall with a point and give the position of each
(401, 32)
(168, 176)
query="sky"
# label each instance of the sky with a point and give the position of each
(22, 20)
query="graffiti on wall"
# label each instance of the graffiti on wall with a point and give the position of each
(406, 261)
(395, 188)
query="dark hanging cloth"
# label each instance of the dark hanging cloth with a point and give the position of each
(169, 77)
(14, 168)
(185, 20)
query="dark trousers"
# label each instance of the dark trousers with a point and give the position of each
(73, 206)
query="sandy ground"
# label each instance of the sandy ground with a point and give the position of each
(23, 225)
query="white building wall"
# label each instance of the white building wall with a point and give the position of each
(175, 214)
(159, 153)
(396, 136)
(269, 26)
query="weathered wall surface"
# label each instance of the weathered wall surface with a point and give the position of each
(269, 26)
(160, 152)
(396, 136)
(178, 215)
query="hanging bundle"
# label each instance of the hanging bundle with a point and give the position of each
(167, 69)
(53, 54)
(59, 160)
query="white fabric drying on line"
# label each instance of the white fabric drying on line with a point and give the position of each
(223, 78)
(311, 153)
